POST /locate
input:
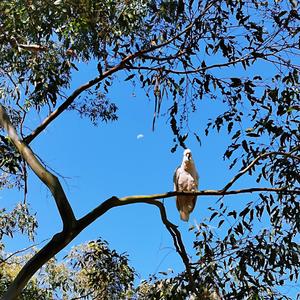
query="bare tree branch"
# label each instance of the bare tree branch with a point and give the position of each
(73, 227)
(94, 81)
(50, 180)
(178, 243)
(7, 258)
(33, 47)
(122, 64)
(62, 239)
(254, 162)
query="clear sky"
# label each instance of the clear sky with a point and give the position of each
(123, 158)
(126, 158)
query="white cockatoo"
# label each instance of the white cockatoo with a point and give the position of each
(186, 180)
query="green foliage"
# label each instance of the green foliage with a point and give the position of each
(91, 271)
(10, 163)
(18, 220)
(98, 108)
(189, 52)
(10, 265)
(40, 47)
(100, 272)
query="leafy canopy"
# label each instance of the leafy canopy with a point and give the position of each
(189, 52)
(90, 271)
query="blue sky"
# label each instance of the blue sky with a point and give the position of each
(126, 158)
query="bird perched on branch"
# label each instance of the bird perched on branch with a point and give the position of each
(186, 180)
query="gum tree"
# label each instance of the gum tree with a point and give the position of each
(89, 270)
(186, 51)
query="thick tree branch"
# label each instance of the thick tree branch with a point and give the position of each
(114, 201)
(60, 240)
(57, 243)
(50, 180)
(28, 139)
(33, 47)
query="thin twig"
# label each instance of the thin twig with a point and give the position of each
(20, 251)
(254, 162)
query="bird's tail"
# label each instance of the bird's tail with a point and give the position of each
(184, 215)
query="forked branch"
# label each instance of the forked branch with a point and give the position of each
(50, 180)
(73, 227)
(255, 161)
(124, 63)
(62, 239)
